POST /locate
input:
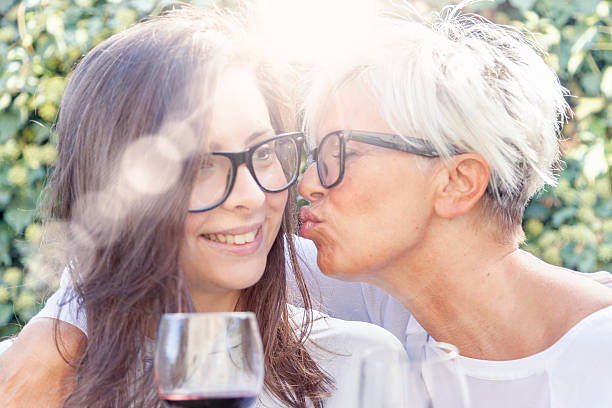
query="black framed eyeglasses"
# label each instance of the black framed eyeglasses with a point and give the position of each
(273, 163)
(331, 152)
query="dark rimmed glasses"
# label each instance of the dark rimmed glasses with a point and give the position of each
(273, 163)
(331, 152)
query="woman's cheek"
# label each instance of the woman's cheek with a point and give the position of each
(279, 202)
(276, 208)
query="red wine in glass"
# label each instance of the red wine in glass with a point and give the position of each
(209, 360)
(209, 401)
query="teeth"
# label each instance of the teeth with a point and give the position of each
(232, 239)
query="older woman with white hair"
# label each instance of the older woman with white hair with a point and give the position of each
(431, 140)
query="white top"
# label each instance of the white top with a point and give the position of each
(5, 344)
(339, 347)
(336, 345)
(575, 372)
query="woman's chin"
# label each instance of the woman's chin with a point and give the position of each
(326, 260)
(334, 265)
(244, 279)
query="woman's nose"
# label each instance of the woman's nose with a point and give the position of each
(246, 193)
(310, 186)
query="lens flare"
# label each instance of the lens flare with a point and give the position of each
(151, 165)
(308, 31)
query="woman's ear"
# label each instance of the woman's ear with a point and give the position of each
(461, 182)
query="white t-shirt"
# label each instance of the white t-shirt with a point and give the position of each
(336, 345)
(575, 372)
(340, 344)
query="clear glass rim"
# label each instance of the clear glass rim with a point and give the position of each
(449, 352)
(181, 316)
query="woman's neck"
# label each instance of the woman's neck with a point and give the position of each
(216, 301)
(493, 301)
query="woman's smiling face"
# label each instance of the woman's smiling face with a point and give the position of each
(380, 209)
(225, 249)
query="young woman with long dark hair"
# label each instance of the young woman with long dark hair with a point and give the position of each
(155, 219)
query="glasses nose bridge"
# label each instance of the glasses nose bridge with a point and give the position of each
(240, 158)
(243, 158)
(247, 192)
(311, 157)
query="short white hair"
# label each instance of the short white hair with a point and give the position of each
(465, 84)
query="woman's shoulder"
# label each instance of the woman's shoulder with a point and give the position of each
(594, 328)
(583, 356)
(343, 335)
(338, 347)
(602, 277)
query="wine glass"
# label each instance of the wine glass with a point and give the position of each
(208, 360)
(430, 378)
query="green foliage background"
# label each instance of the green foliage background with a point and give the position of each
(41, 40)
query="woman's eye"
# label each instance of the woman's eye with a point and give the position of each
(207, 163)
(263, 154)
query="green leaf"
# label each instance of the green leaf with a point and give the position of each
(5, 246)
(563, 214)
(588, 261)
(591, 83)
(604, 210)
(589, 106)
(6, 313)
(595, 162)
(585, 40)
(584, 6)
(41, 132)
(18, 218)
(537, 210)
(9, 330)
(574, 62)
(569, 256)
(5, 198)
(5, 100)
(606, 82)
(10, 123)
(522, 5)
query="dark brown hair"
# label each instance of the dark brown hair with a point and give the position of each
(122, 242)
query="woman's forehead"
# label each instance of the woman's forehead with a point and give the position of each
(352, 107)
(239, 111)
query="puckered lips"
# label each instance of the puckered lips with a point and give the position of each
(243, 240)
(309, 221)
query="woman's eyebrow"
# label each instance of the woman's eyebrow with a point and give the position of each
(257, 135)
(253, 137)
